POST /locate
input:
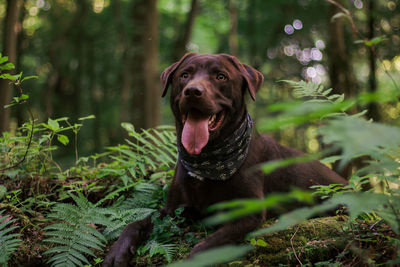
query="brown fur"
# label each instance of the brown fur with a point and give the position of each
(195, 195)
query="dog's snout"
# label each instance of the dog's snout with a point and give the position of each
(193, 91)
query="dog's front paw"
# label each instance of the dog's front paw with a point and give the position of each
(198, 248)
(121, 253)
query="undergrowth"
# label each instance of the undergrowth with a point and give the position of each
(75, 213)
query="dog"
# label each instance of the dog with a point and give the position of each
(217, 143)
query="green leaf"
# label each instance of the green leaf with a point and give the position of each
(54, 126)
(10, 105)
(359, 137)
(87, 118)
(243, 207)
(29, 77)
(261, 243)
(9, 76)
(339, 15)
(8, 66)
(3, 59)
(330, 159)
(273, 165)
(376, 40)
(214, 256)
(63, 139)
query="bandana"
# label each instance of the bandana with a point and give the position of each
(221, 161)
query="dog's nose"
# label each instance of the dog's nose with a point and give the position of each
(193, 91)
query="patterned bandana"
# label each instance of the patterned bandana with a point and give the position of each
(221, 161)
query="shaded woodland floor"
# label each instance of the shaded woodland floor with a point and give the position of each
(326, 241)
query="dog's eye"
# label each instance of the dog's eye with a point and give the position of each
(221, 77)
(184, 75)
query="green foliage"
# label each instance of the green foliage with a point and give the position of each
(214, 256)
(316, 92)
(76, 234)
(151, 152)
(145, 201)
(8, 241)
(165, 233)
(359, 137)
(239, 208)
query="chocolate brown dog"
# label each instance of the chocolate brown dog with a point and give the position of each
(217, 143)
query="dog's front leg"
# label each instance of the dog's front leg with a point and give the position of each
(230, 233)
(136, 232)
(125, 247)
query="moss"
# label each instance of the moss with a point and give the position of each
(311, 241)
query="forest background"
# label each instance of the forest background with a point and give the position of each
(104, 57)
(97, 65)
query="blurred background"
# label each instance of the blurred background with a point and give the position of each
(104, 57)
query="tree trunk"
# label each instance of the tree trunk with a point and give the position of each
(125, 74)
(233, 35)
(251, 30)
(340, 69)
(183, 40)
(11, 29)
(373, 110)
(145, 77)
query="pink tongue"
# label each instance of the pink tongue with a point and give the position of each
(195, 133)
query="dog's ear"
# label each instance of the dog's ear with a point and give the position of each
(254, 79)
(166, 75)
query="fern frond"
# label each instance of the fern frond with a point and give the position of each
(303, 89)
(8, 242)
(150, 150)
(122, 217)
(167, 250)
(75, 236)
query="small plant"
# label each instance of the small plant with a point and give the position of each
(8, 241)
(76, 234)
(152, 151)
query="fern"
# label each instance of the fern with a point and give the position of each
(316, 92)
(8, 242)
(167, 250)
(151, 150)
(144, 202)
(75, 236)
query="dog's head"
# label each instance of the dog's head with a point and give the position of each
(207, 96)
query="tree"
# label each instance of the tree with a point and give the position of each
(183, 39)
(11, 29)
(145, 75)
(233, 35)
(340, 64)
(373, 109)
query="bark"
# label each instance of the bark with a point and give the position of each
(183, 40)
(233, 35)
(373, 110)
(340, 69)
(145, 77)
(12, 27)
(57, 81)
(254, 57)
(125, 75)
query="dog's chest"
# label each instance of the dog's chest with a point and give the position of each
(202, 194)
